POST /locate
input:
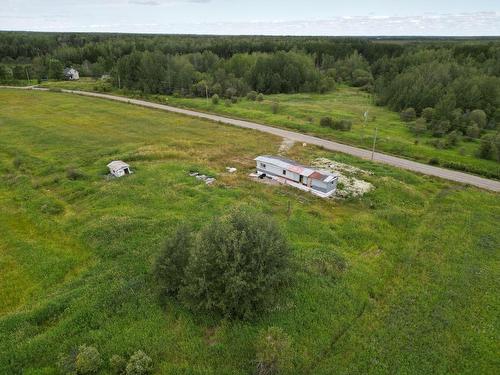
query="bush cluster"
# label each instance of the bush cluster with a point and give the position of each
(489, 147)
(87, 360)
(409, 114)
(235, 266)
(342, 124)
(252, 95)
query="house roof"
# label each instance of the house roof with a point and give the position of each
(117, 164)
(293, 166)
(284, 163)
(69, 71)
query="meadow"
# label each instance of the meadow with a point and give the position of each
(403, 280)
(302, 112)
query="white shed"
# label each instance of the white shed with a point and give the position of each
(119, 168)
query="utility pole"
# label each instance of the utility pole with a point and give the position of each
(374, 142)
(27, 75)
(365, 118)
(206, 91)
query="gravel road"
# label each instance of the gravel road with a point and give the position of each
(430, 170)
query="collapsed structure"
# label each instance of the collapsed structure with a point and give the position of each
(286, 171)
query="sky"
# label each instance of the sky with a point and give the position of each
(263, 17)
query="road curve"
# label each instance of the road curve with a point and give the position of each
(430, 170)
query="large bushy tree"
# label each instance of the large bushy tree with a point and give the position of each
(235, 266)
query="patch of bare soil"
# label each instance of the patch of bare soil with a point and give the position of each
(350, 183)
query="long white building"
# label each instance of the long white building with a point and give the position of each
(287, 171)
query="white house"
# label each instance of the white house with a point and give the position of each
(119, 168)
(289, 172)
(71, 74)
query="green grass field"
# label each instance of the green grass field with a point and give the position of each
(419, 294)
(302, 112)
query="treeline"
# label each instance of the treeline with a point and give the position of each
(189, 65)
(452, 79)
(439, 79)
(205, 73)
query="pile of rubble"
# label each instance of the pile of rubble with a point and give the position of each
(349, 183)
(207, 179)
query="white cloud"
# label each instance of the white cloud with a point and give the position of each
(161, 2)
(464, 24)
(427, 24)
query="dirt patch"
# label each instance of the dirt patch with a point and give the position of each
(339, 167)
(210, 336)
(286, 145)
(350, 184)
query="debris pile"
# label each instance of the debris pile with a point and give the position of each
(349, 183)
(286, 145)
(207, 179)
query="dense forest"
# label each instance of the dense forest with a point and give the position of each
(452, 86)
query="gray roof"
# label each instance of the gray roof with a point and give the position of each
(69, 71)
(293, 166)
(117, 164)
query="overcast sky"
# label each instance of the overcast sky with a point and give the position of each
(276, 17)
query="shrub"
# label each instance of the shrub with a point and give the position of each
(336, 124)
(489, 148)
(438, 143)
(117, 364)
(452, 139)
(227, 103)
(434, 161)
(274, 353)
(171, 263)
(275, 107)
(361, 77)
(230, 92)
(66, 362)
(139, 364)
(252, 95)
(408, 114)
(327, 84)
(473, 131)
(439, 128)
(326, 122)
(215, 99)
(74, 174)
(88, 360)
(428, 114)
(237, 266)
(478, 116)
(260, 97)
(344, 125)
(234, 99)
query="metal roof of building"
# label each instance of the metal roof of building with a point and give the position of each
(117, 164)
(293, 166)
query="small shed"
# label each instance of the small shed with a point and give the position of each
(119, 168)
(71, 74)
